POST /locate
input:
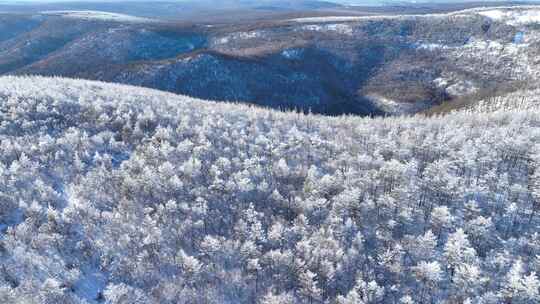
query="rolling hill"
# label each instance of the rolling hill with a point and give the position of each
(366, 65)
(118, 194)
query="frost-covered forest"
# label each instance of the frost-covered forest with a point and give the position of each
(116, 194)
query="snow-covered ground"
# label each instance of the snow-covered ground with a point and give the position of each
(338, 28)
(238, 36)
(98, 15)
(528, 100)
(292, 54)
(393, 107)
(501, 58)
(513, 60)
(460, 88)
(515, 17)
(431, 46)
(329, 19)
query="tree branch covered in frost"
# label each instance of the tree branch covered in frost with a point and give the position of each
(119, 194)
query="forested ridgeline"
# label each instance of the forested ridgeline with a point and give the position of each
(119, 194)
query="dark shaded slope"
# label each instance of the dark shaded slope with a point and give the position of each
(93, 54)
(319, 82)
(36, 44)
(367, 66)
(14, 25)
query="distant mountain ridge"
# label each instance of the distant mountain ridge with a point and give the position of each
(370, 64)
(169, 9)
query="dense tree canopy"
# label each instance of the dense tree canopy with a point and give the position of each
(118, 194)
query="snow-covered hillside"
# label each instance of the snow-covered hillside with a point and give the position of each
(519, 100)
(513, 15)
(364, 65)
(119, 194)
(98, 15)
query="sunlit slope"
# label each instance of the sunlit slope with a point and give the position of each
(119, 194)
